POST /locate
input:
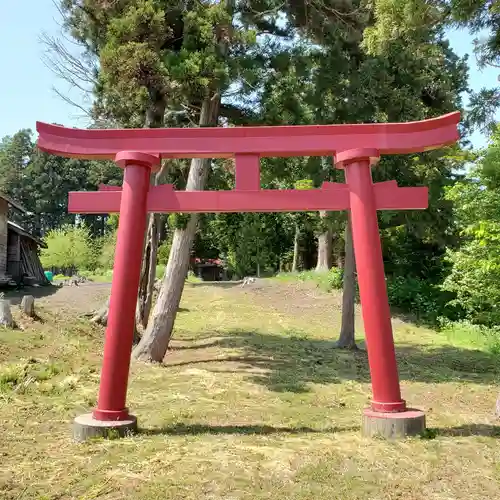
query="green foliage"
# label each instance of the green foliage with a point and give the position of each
(69, 247)
(424, 300)
(326, 281)
(472, 335)
(164, 251)
(107, 255)
(160, 270)
(41, 182)
(112, 222)
(411, 22)
(408, 21)
(251, 244)
(157, 53)
(15, 155)
(304, 184)
(192, 278)
(475, 273)
(20, 376)
(252, 252)
(334, 279)
(178, 220)
(429, 433)
(350, 62)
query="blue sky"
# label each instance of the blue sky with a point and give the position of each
(26, 86)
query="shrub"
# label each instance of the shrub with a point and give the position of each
(424, 300)
(335, 278)
(326, 281)
(475, 276)
(107, 257)
(69, 248)
(164, 251)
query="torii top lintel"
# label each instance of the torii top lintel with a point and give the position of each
(264, 141)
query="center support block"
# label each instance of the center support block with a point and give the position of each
(393, 425)
(87, 427)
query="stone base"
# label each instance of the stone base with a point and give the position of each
(393, 425)
(86, 427)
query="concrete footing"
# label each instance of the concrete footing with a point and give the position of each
(393, 425)
(87, 427)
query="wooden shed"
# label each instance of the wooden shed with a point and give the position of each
(18, 248)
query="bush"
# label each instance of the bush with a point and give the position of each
(69, 248)
(107, 257)
(335, 278)
(326, 281)
(164, 251)
(422, 299)
(475, 276)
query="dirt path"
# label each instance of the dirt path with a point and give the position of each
(78, 299)
(298, 299)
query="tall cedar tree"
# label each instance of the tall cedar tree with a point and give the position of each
(192, 57)
(158, 55)
(411, 20)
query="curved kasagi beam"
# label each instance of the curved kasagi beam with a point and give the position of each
(225, 142)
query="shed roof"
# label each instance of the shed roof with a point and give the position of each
(21, 231)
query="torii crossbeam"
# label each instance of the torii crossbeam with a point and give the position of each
(355, 148)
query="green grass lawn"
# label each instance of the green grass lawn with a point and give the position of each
(252, 403)
(105, 276)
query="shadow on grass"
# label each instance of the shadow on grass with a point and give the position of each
(485, 430)
(15, 296)
(291, 363)
(200, 429)
(216, 284)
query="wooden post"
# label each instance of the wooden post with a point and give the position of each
(6, 314)
(28, 305)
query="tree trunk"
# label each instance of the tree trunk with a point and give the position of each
(153, 257)
(101, 316)
(324, 246)
(148, 268)
(154, 343)
(154, 118)
(296, 248)
(346, 339)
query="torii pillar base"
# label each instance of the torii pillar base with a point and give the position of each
(87, 427)
(393, 425)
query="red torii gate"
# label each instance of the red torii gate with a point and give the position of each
(355, 148)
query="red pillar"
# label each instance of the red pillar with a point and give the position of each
(126, 274)
(371, 280)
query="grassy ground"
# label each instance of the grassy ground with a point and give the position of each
(251, 403)
(104, 276)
